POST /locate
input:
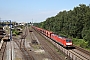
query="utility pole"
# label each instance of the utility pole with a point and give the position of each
(0, 20)
(10, 30)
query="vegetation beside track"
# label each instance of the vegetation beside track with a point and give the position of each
(81, 43)
(15, 32)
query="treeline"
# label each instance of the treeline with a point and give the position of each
(73, 23)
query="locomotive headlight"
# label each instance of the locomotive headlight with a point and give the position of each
(68, 43)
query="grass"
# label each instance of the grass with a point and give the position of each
(17, 58)
(36, 47)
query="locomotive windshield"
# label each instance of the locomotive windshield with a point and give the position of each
(68, 40)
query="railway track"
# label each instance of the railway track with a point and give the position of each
(21, 45)
(82, 50)
(80, 54)
(2, 51)
(48, 47)
(53, 55)
(26, 53)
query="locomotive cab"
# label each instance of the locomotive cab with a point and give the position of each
(68, 43)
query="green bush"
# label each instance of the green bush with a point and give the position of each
(15, 32)
(84, 44)
(80, 42)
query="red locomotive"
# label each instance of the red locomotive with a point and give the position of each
(65, 42)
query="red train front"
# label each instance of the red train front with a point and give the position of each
(69, 43)
(65, 42)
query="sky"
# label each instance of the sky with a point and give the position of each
(35, 10)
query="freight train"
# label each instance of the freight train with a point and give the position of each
(65, 42)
